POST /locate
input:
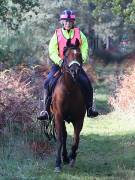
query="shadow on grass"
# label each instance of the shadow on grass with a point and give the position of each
(102, 107)
(101, 98)
(98, 157)
(104, 156)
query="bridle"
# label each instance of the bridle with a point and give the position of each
(73, 67)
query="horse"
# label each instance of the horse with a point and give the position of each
(68, 104)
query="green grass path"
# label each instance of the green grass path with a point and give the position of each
(107, 151)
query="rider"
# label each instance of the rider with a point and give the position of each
(56, 46)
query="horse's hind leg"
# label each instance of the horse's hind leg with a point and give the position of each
(59, 134)
(64, 153)
(76, 138)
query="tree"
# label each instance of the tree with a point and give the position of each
(12, 12)
(125, 9)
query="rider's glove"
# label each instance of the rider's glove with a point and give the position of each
(60, 62)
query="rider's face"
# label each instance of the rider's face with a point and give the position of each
(68, 24)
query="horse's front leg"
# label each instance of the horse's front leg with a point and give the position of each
(64, 153)
(76, 138)
(59, 136)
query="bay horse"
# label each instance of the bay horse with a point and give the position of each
(68, 104)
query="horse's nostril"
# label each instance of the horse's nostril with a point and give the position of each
(72, 71)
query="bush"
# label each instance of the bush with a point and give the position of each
(20, 90)
(124, 96)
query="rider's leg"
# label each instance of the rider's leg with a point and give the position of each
(88, 93)
(45, 115)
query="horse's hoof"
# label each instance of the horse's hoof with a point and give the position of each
(57, 169)
(72, 162)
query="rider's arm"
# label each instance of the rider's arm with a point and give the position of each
(84, 48)
(53, 50)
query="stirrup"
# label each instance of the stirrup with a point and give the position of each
(44, 115)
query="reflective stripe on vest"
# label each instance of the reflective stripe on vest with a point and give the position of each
(62, 40)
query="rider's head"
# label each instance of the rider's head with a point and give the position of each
(67, 19)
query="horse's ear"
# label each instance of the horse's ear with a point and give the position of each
(68, 43)
(77, 43)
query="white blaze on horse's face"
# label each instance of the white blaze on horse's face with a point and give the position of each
(75, 51)
(74, 54)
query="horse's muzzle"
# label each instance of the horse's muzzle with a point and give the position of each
(75, 71)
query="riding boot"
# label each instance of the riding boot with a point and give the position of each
(46, 115)
(89, 104)
(91, 113)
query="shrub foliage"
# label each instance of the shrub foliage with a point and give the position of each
(124, 97)
(20, 90)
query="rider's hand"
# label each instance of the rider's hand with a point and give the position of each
(60, 62)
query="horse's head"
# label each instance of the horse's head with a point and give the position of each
(73, 58)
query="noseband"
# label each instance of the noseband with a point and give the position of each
(74, 62)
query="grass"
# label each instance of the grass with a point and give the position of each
(106, 151)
